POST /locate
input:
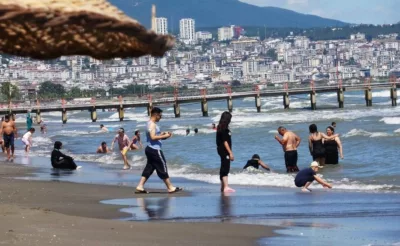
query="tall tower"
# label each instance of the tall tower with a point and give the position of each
(153, 18)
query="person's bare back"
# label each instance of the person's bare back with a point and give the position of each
(291, 141)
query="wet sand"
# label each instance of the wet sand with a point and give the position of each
(63, 213)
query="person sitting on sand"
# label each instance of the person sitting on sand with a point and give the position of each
(256, 162)
(27, 139)
(103, 128)
(103, 149)
(136, 143)
(60, 160)
(306, 176)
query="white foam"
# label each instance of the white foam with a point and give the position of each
(261, 178)
(397, 131)
(360, 132)
(391, 120)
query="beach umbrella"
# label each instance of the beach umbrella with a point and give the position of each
(48, 29)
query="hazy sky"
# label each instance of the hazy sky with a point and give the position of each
(352, 11)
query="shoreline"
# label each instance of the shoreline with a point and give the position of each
(48, 212)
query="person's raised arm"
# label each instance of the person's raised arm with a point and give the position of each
(324, 136)
(265, 166)
(153, 136)
(322, 182)
(340, 147)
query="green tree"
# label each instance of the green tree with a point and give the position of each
(75, 92)
(9, 91)
(272, 54)
(51, 90)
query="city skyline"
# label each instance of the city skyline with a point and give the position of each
(355, 11)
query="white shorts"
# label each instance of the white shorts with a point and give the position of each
(26, 142)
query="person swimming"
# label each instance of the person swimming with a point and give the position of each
(196, 130)
(187, 131)
(103, 149)
(256, 162)
(103, 128)
(213, 126)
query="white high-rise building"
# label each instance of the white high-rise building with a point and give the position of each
(187, 29)
(161, 25)
(225, 33)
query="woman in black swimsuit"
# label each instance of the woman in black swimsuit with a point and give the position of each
(317, 149)
(333, 148)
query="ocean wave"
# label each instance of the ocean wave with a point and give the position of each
(261, 178)
(360, 132)
(391, 120)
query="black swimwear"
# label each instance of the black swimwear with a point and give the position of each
(61, 161)
(8, 140)
(224, 136)
(331, 152)
(318, 150)
(252, 163)
(291, 161)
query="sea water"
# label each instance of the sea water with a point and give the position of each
(366, 183)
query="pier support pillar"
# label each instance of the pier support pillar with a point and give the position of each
(393, 96)
(313, 99)
(93, 114)
(177, 110)
(121, 112)
(64, 117)
(204, 107)
(258, 103)
(38, 117)
(340, 98)
(286, 101)
(149, 108)
(230, 104)
(368, 97)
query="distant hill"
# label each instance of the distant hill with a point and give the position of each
(211, 13)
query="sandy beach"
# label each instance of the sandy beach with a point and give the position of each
(63, 213)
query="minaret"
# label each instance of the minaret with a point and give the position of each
(153, 18)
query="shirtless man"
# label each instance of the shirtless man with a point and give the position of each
(123, 143)
(103, 149)
(289, 142)
(9, 131)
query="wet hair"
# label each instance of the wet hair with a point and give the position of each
(255, 156)
(7, 117)
(121, 130)
(103, 143)
(313, 128)
(101, 125)
(281, 128)
(224, 121)
(156, 110)
(333, 123)
(32, 129)
(57, 145)
(136, 132)
(331, 128)
(196, 130)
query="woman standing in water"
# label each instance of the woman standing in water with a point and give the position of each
(316, 144)
(224, 148)
(333, 147)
